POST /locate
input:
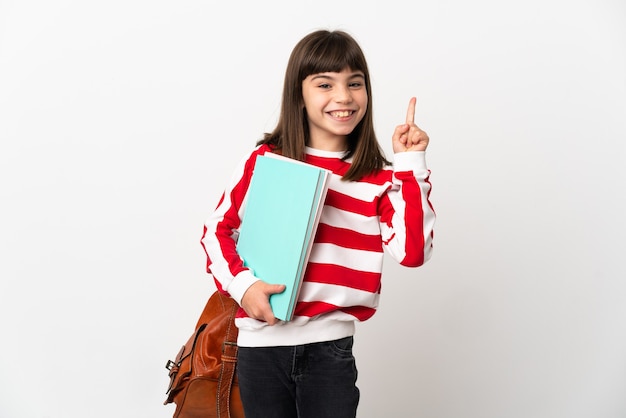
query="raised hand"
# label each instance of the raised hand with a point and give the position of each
(256, 301)
(408, 137)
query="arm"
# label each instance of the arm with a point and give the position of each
(407, 216)
(220, 235)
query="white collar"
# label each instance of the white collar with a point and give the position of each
(322, 153)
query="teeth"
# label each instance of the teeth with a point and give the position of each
(341, 114)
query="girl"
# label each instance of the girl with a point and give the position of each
(305, 368)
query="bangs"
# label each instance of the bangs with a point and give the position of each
(332, 53)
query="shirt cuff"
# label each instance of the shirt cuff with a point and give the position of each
(240, 284)
(409, 161)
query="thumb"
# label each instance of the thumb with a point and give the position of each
(275, 288)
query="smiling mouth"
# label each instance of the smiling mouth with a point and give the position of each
(341, 113)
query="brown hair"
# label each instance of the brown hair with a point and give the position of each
(318, 52)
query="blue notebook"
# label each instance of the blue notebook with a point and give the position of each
(282, 211)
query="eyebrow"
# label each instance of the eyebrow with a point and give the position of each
(330, 77)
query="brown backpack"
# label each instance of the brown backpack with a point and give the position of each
(203, 382)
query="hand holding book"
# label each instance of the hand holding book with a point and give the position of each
(256, 301)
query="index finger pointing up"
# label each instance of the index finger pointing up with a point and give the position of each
(410, 113)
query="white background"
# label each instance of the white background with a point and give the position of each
(121, 121)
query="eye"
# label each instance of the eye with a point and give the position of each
(324, 86)
(356, 84)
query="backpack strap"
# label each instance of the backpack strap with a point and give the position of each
(228, 366)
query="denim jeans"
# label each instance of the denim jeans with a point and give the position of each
(305, 381)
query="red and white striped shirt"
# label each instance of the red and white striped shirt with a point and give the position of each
(387, 210)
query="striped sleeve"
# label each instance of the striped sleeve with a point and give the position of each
(221, 231)
(407, 217)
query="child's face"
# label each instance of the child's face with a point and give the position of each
(335, 103)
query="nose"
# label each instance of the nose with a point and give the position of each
(343, 95)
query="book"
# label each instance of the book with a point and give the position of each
(281, 214)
